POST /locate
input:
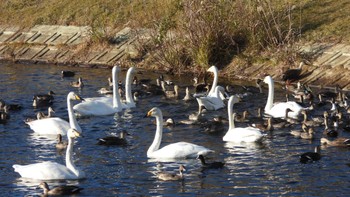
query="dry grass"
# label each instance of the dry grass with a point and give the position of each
(207, 31)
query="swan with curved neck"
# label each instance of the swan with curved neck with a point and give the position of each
(129, 97)
(51, 170)
(99, 106)
(55, 125)
(277, 110)
(214, 101)
(215, 71)
(175, 150)
(240, 134)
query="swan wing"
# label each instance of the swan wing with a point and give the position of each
(211, 103)
(278, 110)
(181, 150)
(44, 171)
(49, 126)
(95, 108)
(247, 134)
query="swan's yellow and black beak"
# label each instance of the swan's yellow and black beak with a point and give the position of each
(149, 113)
(76, 133)
(77, 97)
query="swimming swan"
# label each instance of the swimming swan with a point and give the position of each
(240, 134)
(277, 110)
(175, 150)
(100, 106)
(49, 170)
(213, 102)
(55, 125)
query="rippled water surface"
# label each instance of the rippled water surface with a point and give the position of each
(271, 168)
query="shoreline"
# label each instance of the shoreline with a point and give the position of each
(73, 46)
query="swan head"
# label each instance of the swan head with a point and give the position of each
(132, 69)
(212, 69)
(73, 133)
(268, 79)
(155, 111)
(116, 68)
(74, 96)
(51, 110)
(234, 99)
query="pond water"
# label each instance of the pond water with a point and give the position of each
(270, 168)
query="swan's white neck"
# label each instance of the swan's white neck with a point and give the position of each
(230, 114)
(270, 96)
(69, 160)
(215, 82)
(129, 99)
(72, 120)
(158, 136)
(116, 97)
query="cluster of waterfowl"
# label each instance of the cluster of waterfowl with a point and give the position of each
(299, 116)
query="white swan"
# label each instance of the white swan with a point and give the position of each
(277, 110)
(213, 102)
(129, 103)
(175, 150)
(55, 125)
(100, 106)
(240, 134)
(51, 170)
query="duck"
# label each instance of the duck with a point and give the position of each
(200, 88)
(213, 102)
(307, 122)
(292, 75)
(297, 133)
(240, 134)
(114, 140)
(174, 150)
(55, 125)
(170, 93)
(67, 73)
(5, 112)
(3, 118)
(213, 165)
(310, 157)
(188, 96)
(43, 99)
(309, 135)
(330, 132)
(11, 106)
(277, 110)
(41, 115)
(60, 143)
(339, 141)
(59, 190)
(243, 118)
(195, 118)
(100, 106)
(216, 126)
(166, 176)
(77, 84)
(49, 170)
(265, 127)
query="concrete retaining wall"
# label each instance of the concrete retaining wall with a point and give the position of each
(62, 45)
